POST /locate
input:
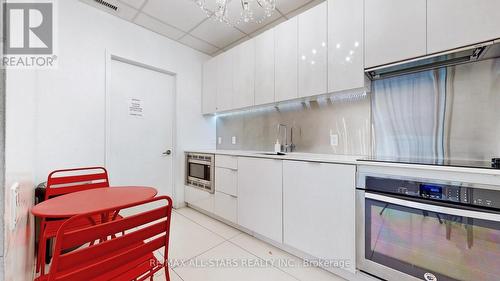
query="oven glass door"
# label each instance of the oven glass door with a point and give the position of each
(199, 171)
(432, 242)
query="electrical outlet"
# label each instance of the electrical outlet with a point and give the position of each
(334, 139)
(233, 140)
(219, 140)
(14, 204)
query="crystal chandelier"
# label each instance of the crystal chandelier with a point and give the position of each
(255, 11)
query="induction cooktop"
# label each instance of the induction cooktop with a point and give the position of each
(494, 164)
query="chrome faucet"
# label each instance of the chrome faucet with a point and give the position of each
(292, 146)
(285, 146)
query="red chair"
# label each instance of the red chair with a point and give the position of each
(62, 182)
(125, 257)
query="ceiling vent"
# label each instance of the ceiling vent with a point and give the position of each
(106, 4)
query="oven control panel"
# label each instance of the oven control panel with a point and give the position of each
(442, 192)
(486, 198)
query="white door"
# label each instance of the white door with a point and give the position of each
(139, 126)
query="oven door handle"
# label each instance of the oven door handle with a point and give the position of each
(434, 208)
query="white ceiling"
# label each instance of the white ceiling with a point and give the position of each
(185, 22)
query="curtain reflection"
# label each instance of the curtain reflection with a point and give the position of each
(449, 113)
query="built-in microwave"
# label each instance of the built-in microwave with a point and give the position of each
(200, 171)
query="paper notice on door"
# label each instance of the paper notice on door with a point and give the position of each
(135, 107)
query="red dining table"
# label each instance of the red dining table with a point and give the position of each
(92, 200)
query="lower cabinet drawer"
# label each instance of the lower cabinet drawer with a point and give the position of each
(226, 207)
(226, 161)
(199, 198)
(226, 181)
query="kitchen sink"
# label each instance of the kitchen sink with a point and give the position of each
(271, 153)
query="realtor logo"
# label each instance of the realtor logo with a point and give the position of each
(29, 28)
(29, 35)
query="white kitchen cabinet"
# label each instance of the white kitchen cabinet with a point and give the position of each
(312, 51)
(226, 187)
(226, 207)
(319, 209)
(264, 66)
(457, 23)
(395, 30)
(286, 63)
(225, 80)
(345, 45)
(226, 180)
(199, 198)
(244, 74)
(209, 91)
(260, 196)
(226, 161)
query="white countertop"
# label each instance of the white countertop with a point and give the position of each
(343, 159)
(311, 157)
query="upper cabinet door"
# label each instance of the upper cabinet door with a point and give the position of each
(286, 53)
(395, 30)
(345, 45)
(225, 80)
(244, 75)
(264, 65)
(313, 51)
(209, 91)
(457, 23)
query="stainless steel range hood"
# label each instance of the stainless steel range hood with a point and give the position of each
(467, 54)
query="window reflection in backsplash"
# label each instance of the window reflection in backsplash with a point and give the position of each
(345, 116)
(451, 113)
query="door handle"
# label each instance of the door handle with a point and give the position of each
(435, 208)
(168, 152)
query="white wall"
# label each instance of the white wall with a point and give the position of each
(19, 169)
(70, 112)
(58, 120)
(2, 147)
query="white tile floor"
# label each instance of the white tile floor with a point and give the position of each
(200, 241)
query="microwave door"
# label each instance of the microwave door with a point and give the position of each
(199, 171)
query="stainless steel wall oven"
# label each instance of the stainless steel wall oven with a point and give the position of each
(200, 171)
(422, 229)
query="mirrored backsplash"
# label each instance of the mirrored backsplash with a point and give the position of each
(448, 113)
(342, 118)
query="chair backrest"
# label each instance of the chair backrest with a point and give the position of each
(66, 181)
(149, 231)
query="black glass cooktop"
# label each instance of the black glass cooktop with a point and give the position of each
(436, 162)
